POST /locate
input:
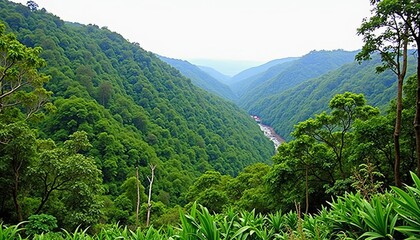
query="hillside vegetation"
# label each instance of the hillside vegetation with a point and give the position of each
(285, 109)
(100, 139)
(135, 110)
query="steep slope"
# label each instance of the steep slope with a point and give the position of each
(135, 108)
(284, 110)
(250, 72)
(200, 78)
(313, 64)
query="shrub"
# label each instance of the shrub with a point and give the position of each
(42, 223)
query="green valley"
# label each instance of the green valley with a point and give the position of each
(102, 139)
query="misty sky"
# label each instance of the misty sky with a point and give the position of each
(249, 30)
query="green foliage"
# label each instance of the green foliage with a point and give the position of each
(132, 109)
(379, 218)
(9, 232)
(385, 216)
(312, 65)
(408, 208)
(321, 152)
(20, 82)
(42, 223)
(283, 110)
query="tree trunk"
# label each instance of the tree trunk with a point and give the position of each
(149, 204)
(138, 197)
(401, 70)
(417, 116)
(397, 131)
(307, 190)
(15, 197)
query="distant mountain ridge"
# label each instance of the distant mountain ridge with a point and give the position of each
(313, 64)
(215, 74)
(283, 110)
(200, 78)
(250, 72)
(245, 85)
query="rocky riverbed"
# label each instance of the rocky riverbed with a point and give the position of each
(269, 132)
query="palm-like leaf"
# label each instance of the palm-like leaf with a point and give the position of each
(408, 207)
(379, 218)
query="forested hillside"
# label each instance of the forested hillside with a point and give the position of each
(285, 109)
(313, 64)
(201, 78)
(132, 108)
(247, 85)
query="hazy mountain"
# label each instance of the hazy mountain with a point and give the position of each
(243, 86)
(216, 74)
(250, 72)
(226, 67)
(200, 78)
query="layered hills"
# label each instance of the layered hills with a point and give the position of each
(201, 78)
(286, 91)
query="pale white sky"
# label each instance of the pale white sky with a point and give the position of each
(251, 30)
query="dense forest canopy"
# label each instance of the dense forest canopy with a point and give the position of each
(133, 108)
(97, 135)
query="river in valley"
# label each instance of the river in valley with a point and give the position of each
(269, 132)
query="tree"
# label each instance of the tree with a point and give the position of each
(208, 190)
(17, 151)
(333, 129)
(104, 92)
(32, 5)
(406, 13)
(249, 190)
(62, 168)
(320, 153)
(20, 82)
(394, 25)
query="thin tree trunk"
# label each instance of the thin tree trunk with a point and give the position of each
(16, 200)
(149, 204)
(417, 116)
(307, 190)
(397, 131)
(401, 70)
(15, 191)
(138, 197)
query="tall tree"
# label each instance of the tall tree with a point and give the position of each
(386, 33)
(320, 152)
(409, 11)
